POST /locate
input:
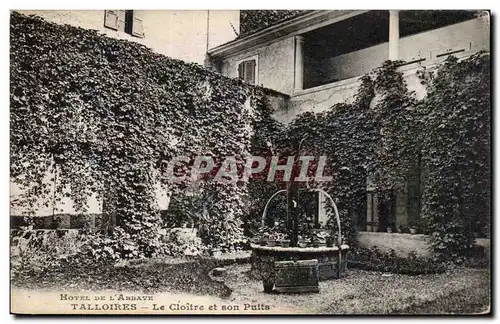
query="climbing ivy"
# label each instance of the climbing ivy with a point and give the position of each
(345, 135)
(105, 116)
(456, 145)
(252, 21)
(397, 124)
(385, 133)
(97, 115)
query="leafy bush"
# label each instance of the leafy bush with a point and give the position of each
(37, 251)
(452, 240)
(456, 144)
(177, 243)
(252, 21)
(445, 136)
(374, 260)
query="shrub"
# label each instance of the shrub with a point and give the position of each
(36, 251)
(374, 260)
(456, 147)
(452, 241)
(252, 21)
(177, 243)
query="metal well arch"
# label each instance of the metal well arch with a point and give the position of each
(336, 212)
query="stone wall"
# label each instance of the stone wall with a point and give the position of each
(403, 243)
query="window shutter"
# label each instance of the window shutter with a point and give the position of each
(247, 71)
(241, 72)
(111, 19)
(137, 26)
(121, 20)
(115, 19)
(250, 71)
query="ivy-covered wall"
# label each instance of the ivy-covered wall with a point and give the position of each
(440, 140)
(252, 21)
(105, 116)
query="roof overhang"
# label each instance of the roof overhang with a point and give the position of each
(295, 26)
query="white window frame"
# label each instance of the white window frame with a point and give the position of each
(249, 58)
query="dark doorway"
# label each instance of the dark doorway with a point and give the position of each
(386, 211)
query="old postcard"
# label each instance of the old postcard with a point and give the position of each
(177, 162)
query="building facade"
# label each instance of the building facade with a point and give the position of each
(182, 34)
(318, 57)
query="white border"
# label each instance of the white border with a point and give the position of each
(198, 4)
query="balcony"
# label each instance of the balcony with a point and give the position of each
(336, 56)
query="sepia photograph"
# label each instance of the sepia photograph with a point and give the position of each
(250, 162)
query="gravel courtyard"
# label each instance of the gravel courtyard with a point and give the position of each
(461, 290)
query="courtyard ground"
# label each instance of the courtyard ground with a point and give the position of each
(366, 292)
(461, 290)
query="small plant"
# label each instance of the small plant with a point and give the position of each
(369, 227)
(302, 241)
(321, 237)
(315, 241)
(282, 238)
(271, 240)
(413, 226)
(329, 241)
(264, 232)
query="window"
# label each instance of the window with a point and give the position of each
(248, 70)
(127, 21)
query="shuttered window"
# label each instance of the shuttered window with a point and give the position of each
(111, 19)
(247, 71)
(128, 21)
(122, 19)
(137, 29)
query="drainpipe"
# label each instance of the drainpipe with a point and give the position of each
(208, 63)
(208, 28)
(393, 35)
